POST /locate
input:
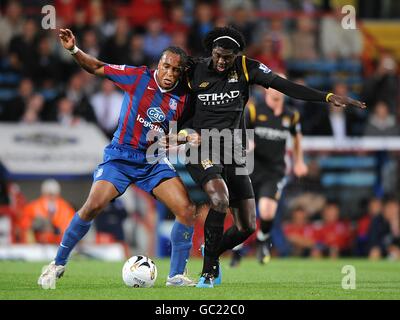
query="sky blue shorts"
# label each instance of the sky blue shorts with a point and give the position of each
(123, 165)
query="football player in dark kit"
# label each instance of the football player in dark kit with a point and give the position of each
(273, 123)
(220, 89)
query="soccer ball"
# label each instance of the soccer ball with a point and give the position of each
(139, 272)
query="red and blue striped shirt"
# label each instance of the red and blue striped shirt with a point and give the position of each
(145, 106)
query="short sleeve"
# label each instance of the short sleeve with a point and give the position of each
(259, 73)
(295, 127)
(122, 75)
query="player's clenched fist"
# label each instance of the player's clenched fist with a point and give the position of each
(67, 39)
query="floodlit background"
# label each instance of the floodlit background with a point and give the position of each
(56, 119)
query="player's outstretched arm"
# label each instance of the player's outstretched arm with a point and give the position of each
(300, 168)
(87, 62)
(298, 91)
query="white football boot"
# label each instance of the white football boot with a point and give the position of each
(180, 280)
(49, 276)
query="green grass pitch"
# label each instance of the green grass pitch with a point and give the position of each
(280, 279)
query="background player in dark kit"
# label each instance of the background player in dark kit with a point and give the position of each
(273, 122)
(220, 89)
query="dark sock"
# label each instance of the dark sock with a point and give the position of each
(266, 226)
(213, 233)
(231, 238)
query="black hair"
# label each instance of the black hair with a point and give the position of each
(228, 38)
(179, 51)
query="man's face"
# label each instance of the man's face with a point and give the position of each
(274, 98)
(222, 59)
(169, 70)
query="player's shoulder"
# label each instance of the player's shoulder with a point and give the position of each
(292, 112)
(128, 69)
(253, 65)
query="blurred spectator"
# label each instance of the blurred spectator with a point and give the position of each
(33, 109)
(384, 84)
(333, 235)
(300, 233)
(307, 6)
(4, 198)
(116, 48)
(90, 43)
(269, 55)
(66, 10)
(307, 192)
(109, 225)
(280, 38)
(16, 107)
(307, 109)
(274, 6)
(107, 105)
(228, 5)
(176, 21)
(65, 114)
(79, 25)
(363, 225)
(12, 202)
(337, 42)
(141, 11)
(155, 40)
(241, 19)
(137, 56)
(304, 42)
(201, 26)
(24, 46)
(221, 21)
(96, 13)
(45, 219)
(384, 232)
(381, 122)
(11, 24)
(333, 121)
(47, 65)
(75, 92)
(179, 39)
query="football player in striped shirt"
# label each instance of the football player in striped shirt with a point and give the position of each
(152, 99)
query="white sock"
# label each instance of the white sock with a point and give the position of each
(261, 236)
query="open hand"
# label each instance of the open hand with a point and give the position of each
(67, 39)
(340, 101)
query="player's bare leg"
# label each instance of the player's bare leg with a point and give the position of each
(218, 195)
(173, 194)
(101, 193)
(244, 213)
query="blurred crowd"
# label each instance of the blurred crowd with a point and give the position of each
(315, 229)
(40, 81)
(376, 232)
